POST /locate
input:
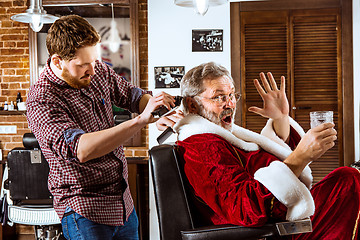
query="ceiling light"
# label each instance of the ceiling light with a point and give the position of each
(35, 15)
(200, 6)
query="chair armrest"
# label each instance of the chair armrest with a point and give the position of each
(294, 227)
(230, 232)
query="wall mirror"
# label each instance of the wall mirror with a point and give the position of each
(125, 60)
(99, 14)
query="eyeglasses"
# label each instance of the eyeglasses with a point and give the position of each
(221, 99)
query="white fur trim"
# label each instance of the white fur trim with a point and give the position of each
(288, 189)
(306, 177)
(297, 127)
(194, 124)
(269, 131)
(243, 138)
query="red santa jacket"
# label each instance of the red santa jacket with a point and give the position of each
(240, 175)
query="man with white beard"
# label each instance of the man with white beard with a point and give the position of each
(244, 178)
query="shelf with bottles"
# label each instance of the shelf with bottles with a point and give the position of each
(13, 108)
(12, 112)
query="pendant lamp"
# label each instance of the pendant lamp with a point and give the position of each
(114, 38)
(35, 15)
(200, 6)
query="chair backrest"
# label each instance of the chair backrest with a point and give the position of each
(28, 173)
(171, 202)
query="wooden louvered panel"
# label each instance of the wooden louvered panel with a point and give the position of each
(315, 77)
(315, 59)
(265, 51)
(303, 44)
(323, 166)
(255, 122)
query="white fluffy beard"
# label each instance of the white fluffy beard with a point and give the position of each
(212, 117)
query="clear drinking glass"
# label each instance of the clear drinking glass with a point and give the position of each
(319, 117)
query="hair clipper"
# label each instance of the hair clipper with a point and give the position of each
(161, 111)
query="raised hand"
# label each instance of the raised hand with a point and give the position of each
(275, 103)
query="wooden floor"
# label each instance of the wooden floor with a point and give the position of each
(24, 232)
(25, 237)
(18, 232)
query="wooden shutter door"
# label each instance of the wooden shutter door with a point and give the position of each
(316, 76)
(303, 45)
(264, 41)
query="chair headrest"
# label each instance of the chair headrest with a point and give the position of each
(30, 142)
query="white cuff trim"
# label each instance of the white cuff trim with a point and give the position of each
(288, 189)
(269, 131)
(306, 177)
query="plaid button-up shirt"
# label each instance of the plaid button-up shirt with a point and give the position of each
(58, 115)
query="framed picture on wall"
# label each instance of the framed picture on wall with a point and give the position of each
(207, 40)
(168, 76)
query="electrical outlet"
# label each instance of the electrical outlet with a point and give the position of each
(6, 129)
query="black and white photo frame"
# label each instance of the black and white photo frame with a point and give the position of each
(207, 40)
(168, 76)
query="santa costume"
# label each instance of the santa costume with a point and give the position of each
(239, 178)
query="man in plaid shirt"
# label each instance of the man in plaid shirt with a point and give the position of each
(69, 109)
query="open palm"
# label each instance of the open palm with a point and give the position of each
(275, 103)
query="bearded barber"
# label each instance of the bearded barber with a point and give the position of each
(69, 109)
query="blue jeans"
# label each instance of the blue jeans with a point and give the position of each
(76, 227)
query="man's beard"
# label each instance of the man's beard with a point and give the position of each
(83, 82)
(212, 117)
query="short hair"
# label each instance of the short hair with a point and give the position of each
(69, 33)
(192, 83)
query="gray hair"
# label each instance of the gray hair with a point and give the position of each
(192, 83)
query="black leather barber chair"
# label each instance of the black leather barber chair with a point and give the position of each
(177, 216)
(25, 195)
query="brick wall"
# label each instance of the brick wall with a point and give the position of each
(14, 70)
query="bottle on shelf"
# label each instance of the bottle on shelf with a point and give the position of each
(11, 107)
(6, 106)
(18, 98)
